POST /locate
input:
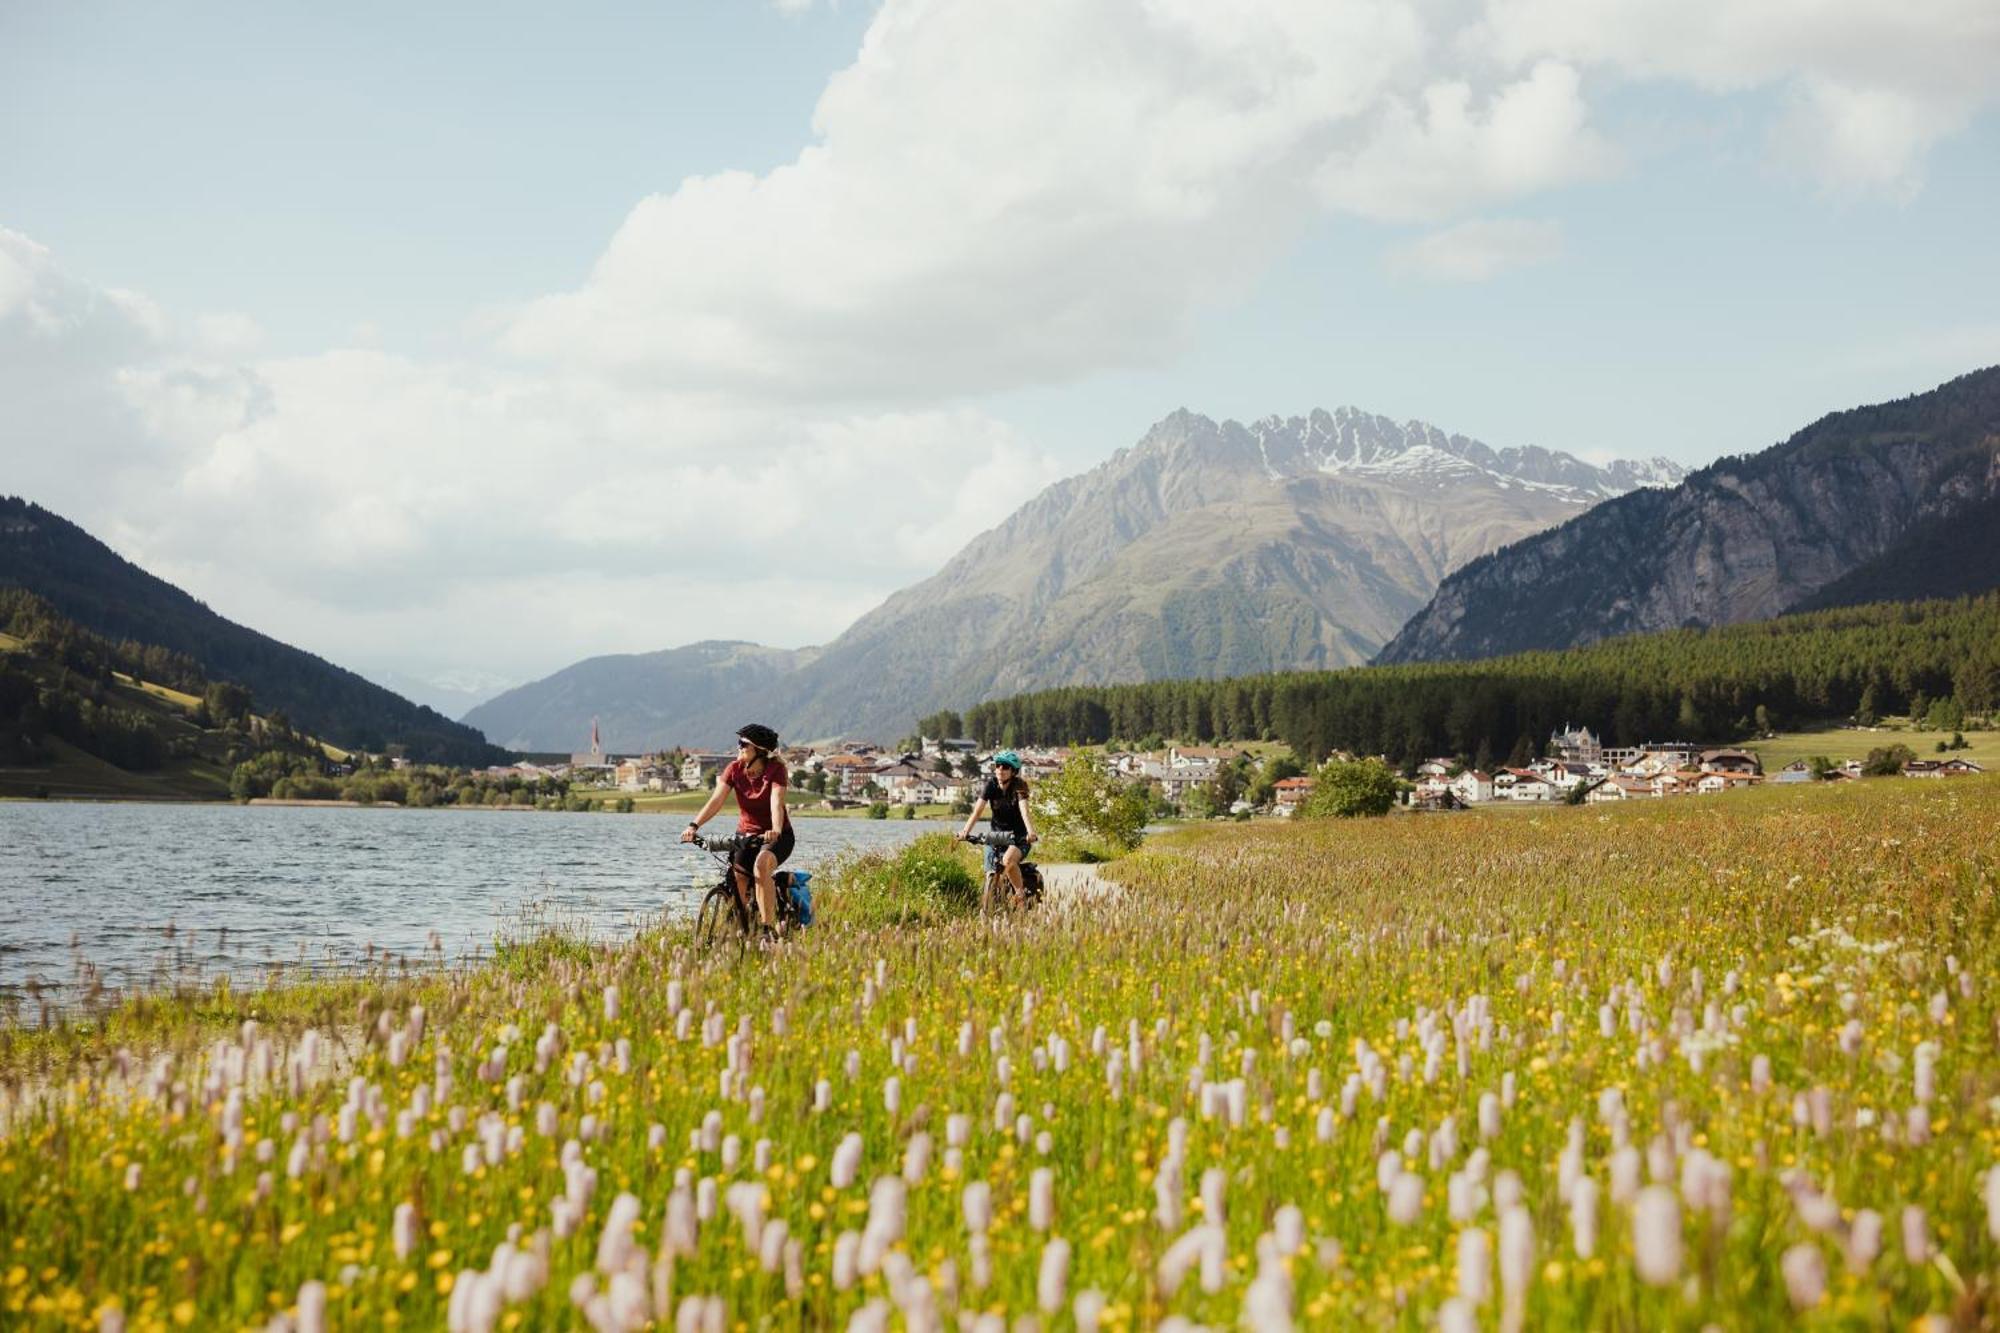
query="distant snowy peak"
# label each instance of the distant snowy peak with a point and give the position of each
(1350, 441)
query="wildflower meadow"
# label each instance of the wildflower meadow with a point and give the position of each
(1721, 1062)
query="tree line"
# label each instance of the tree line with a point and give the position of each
(1695, 684)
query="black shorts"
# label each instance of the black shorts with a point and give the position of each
(745, 858)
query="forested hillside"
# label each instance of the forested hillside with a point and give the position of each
(87, 582)
(81, 715)
(1685, 684)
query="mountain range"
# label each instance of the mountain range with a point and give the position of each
(1891, 501)
(91, 584)
(1206, 549)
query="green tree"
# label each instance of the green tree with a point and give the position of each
(942, 726)
(1975, 682)
(1346, 788)
(1864, 712)
(1944, 715)
(1822, 767)
(1763, 720)
(1082, 801)
(226, 704)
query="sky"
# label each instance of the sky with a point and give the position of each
(458, 343)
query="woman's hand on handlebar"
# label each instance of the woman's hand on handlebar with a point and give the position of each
(771, 835)
(690, 833)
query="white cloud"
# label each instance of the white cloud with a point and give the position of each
(372, 507)
(1002, 195)
(1430, 161)
(1872, 84)
(1005, 195)
(1477, 250)
(1861, 139)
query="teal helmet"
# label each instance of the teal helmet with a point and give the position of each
(1007, 759)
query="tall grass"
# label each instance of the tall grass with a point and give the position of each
(1725, 1061)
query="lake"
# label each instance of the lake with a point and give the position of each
(154, 894)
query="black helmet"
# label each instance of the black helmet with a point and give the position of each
(758, 735)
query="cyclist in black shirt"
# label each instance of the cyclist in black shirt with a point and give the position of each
(1006, 800)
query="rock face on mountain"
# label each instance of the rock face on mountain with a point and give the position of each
(1743, 539)
(640, 701)
(1207, 549)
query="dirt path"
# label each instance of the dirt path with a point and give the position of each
(1070, 886)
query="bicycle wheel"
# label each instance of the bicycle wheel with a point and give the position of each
(721, 916)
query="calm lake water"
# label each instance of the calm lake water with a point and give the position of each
(153, 894)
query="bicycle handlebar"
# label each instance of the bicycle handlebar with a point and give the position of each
(726, 843)
(997, 838)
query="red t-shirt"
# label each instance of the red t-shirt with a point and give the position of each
(753, 794)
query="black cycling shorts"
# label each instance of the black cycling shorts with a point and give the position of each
(745, 858)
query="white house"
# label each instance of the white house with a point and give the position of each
(698, 769)
(1473, 786)
(1212, 757)
(1521, 784)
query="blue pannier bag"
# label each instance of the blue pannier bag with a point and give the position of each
(802, 895)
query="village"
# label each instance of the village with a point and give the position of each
(1579, 766)
(1225, 780)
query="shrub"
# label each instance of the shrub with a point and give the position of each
(1887, 760)
(933, 879)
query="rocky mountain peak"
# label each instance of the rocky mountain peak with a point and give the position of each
(1366, 444)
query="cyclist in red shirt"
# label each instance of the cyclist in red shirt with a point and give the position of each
(759, 778)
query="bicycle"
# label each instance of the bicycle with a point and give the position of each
(724, 903)
(1031, 875)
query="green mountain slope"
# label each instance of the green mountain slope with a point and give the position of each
(91, 584)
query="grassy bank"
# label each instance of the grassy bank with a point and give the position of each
(1841, 743)
(1729, 997)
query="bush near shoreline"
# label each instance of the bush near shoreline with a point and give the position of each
(1727, 1061)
